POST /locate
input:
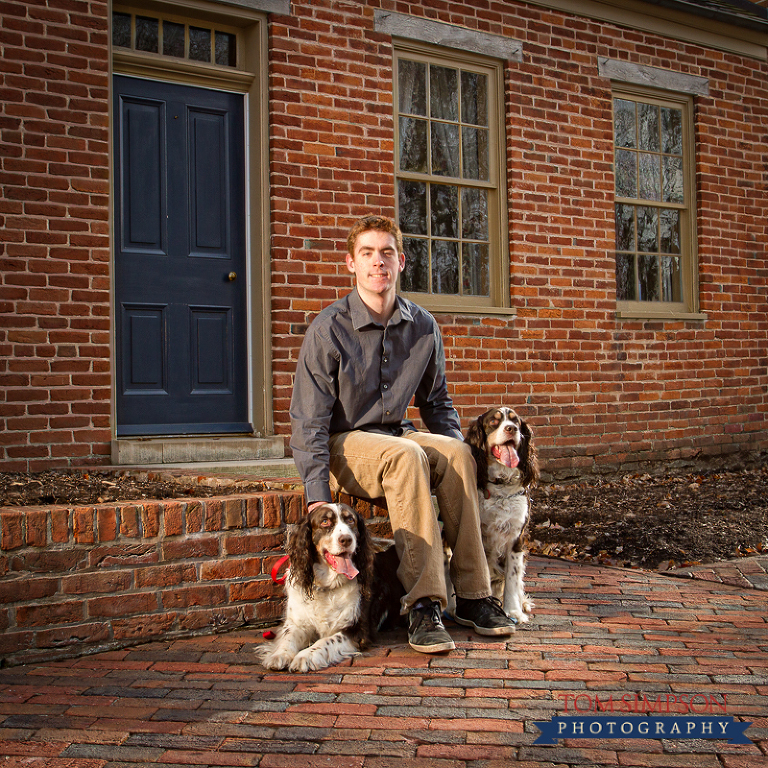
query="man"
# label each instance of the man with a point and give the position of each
(362, 361)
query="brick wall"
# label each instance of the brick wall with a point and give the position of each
(116, 574)
(601, 393)
(54, 233)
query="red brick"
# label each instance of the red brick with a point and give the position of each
(195, 596)
(12, 530)
(54, 613)
(89, 583)
(83, 518)
(122, 605)
(173, 518)
(106, 523)
(37, 528)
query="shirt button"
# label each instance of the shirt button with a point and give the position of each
(386, 386)
(385, 359)
(387, 413)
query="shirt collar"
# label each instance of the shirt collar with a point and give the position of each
(361, 317)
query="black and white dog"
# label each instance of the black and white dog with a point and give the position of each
(507, 467)
(328, 586)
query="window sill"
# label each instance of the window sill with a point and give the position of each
(459, 309)
(643, 314)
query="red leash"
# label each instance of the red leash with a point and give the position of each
(276, 568)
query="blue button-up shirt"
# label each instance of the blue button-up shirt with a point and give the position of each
(354, 373)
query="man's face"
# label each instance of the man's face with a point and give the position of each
(376, 263)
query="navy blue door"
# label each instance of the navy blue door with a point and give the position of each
(179, 259)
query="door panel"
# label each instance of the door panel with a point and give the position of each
(180, 259)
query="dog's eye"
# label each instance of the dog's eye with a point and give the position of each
(326, 522)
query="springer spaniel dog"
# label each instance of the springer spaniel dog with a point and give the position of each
(328, 586)
(507, 467)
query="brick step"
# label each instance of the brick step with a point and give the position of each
(76, 578)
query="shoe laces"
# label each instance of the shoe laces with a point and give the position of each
(429, 614)
(495, 603)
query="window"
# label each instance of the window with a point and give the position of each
(654, 204)
(449, 181)
(151, 34)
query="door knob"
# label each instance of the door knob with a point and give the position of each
(232, 276)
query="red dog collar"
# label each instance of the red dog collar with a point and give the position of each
(276, 568)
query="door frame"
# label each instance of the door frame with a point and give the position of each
(250, 79)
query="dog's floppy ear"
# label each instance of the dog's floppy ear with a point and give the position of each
(529, 462)
(363, 557)
(478, 443)
(301, 553)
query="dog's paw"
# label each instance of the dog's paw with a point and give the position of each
(528, 605)
(277, 660)
(304, 662)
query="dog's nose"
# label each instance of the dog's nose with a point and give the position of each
(345, 541)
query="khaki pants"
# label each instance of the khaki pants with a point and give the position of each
(405, 470)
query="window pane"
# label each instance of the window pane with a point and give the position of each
(474, 214)
(147, 34)
(648, 230)
(626, 173)
(670, 279)
(648, 274)
(475, 153)
(444, 93)
(412, 87)
(670, 232)
(648, 117)
(624, 123)
(671, 131)
(625, 277)
(415, 276)
(412, 203)
(445, 149)
(650, 177)
(474, 267)
(474, 98)
(121, 30)
(673, 179)
(445, 267)
(226, 49)
(625, 227)
(413, 145)
(173, 39)
(444, 202)
(199, 44)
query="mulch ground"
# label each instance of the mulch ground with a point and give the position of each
(637, 521)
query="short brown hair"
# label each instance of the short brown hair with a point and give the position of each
(378, 223)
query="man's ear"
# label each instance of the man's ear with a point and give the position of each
(401, 262)
(350, 263)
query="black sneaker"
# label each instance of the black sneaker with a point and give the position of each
(426, 632)
(485, 616)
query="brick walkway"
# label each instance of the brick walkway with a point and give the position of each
(599, 633)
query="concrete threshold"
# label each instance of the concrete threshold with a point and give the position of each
(212, 450)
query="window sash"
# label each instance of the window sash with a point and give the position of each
(445, 251)
(655, 247)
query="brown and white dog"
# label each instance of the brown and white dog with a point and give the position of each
(507, 467)
(328, 586)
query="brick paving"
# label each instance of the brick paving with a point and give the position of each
(599, 634)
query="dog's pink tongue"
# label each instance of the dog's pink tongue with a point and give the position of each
(342, 564)
(506, 455)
